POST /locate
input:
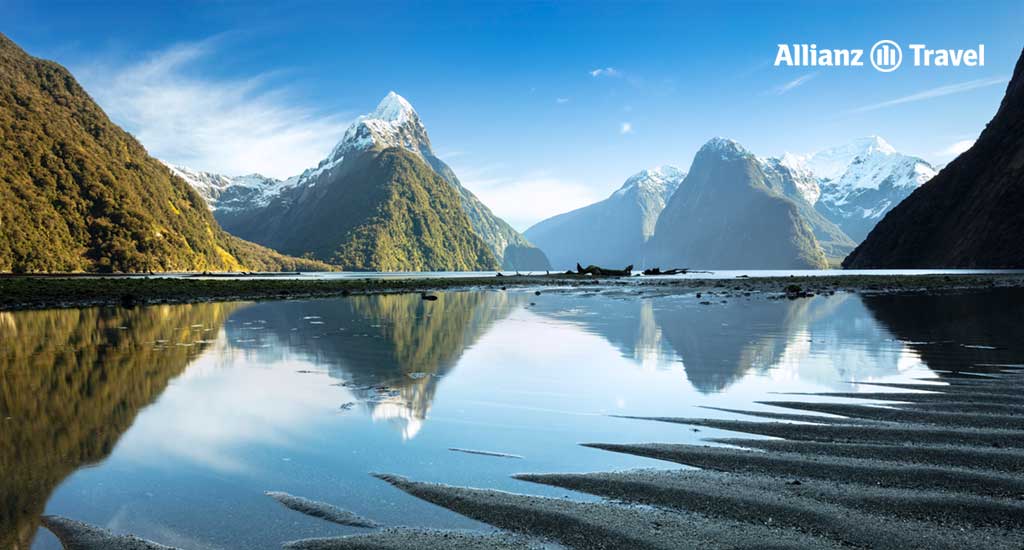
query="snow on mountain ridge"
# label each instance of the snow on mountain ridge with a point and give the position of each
(228, 193)
(864, 163)
(832, 162)
(726, 147)
(655, 180)
(803, 181)
(394, 123)
(873, 170)
(394, 108)
(862, 180)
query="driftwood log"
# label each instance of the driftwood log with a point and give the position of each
(658, 271)
(603, 271)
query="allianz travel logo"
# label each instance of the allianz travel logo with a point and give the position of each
(885, 56)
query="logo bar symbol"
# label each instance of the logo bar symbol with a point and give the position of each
(886, 56)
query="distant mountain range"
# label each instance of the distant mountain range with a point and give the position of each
(79, 193)
(356, 211)
(971, 215)
(838, 193)
(611, 232)
(231, 193)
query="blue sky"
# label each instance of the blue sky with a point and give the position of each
(517, 96)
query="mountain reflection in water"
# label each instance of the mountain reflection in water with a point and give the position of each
(719, 344)
(391, 350)
(73, 381)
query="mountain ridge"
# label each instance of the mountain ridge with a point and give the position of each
(79, 193)
(368, 207)
(970, 215)
(862, 180)
(394, 123)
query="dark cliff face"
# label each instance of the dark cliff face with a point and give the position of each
(971, 215)
(724, 216)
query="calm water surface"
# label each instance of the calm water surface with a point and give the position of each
(170, 422)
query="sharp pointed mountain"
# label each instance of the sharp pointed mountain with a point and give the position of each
(611, 232)
(333, 209)
(862, 181)
(78, 193)
(971, 215)
(374, 204)
(726, 215)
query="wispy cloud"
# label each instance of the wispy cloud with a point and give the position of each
(230, 126)
(609, 72)
(525, 199)
(949, 89)
(562, 100)
(955, 149)
(626, 128)
(448, 155)
(793, 84)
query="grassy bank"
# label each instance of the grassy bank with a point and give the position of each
(55, 291)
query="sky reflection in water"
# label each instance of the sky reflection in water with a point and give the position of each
(170, 422)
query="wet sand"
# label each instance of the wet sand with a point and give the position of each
(891, 476)
(603, 525)
(76, 535)
(408, 538)
(322, 510)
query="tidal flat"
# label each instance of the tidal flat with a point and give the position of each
(710, 413)
(19, 292)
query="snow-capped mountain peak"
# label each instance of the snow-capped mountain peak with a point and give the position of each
(660, 180)
(724, 147)
(871, 171)
(862, 180)
(394, 123)
(793, 162)
(873, 144)
(393, 108)
(832, 162)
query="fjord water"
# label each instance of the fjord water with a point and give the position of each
(170, 422)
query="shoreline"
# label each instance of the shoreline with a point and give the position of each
(944, 481)
(55, 291)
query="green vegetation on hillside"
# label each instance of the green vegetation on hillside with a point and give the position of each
(71, 382)
(380, 210)
(78, 193)
(508, 245)
(417, 223)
